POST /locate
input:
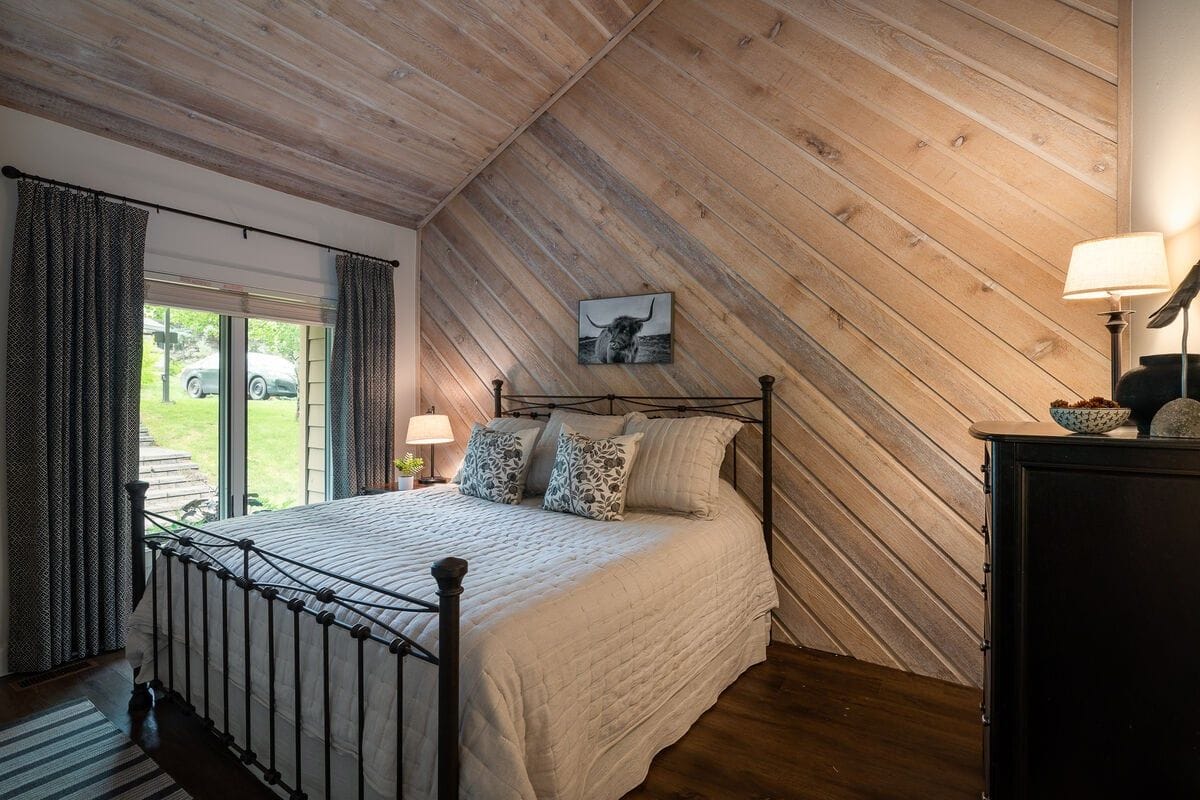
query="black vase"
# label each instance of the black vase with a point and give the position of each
(1155, 383)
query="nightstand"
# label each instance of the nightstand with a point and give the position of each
(384, 488)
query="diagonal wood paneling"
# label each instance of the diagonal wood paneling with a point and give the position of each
(874, 201)
(380, 108)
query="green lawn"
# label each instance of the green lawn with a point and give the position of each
(274, 456)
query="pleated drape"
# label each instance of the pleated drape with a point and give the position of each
(73, 373)
(362, 375)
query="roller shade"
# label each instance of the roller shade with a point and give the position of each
(239, 301)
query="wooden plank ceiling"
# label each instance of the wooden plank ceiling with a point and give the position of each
(377, 107)
(875, 201)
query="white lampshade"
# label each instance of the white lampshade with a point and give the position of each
(429, 429)
(1128, 264)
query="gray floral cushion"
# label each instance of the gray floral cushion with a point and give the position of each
(496, 462)
(590, 475)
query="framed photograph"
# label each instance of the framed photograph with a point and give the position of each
(635, 329)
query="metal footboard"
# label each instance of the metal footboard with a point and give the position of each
(202, 557)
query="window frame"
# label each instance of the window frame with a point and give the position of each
(232, 418)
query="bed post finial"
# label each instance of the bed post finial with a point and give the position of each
(141, 699)
(767, 382)
(137, 536)
(449, 573)
(497, 390)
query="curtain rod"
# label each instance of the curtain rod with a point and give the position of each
(13, 173)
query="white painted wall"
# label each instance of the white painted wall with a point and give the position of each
(181, 246)
(1166, 151)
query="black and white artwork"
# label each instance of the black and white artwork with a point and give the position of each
(635, 329)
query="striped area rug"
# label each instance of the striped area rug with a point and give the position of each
(72, 752)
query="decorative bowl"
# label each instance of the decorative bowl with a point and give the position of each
(1090, 420)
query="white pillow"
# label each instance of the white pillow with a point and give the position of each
(593, 426)
(590, 475)
(508, 425)
(679, 463)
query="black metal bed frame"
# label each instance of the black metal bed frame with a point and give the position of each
(198, 551)
(542, 405)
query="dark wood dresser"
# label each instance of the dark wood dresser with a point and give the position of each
(1092, 634)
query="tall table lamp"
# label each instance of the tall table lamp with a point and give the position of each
(431, 429)
(1114, 267)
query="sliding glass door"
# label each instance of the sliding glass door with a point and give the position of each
(209, 452)
(275, 426)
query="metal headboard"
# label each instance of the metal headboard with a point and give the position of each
(739, 408)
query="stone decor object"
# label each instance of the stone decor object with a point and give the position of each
(1179, 418)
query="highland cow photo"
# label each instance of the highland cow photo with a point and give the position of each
(635, 329)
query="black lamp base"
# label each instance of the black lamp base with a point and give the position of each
(1118, 321)
(432, 479)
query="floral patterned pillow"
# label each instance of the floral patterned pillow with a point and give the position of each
(496, 462)
(590, 475)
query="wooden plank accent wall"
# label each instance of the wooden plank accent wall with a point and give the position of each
(875, 201)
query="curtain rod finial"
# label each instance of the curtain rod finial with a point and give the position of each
(11, 172)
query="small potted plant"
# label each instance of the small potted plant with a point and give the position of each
(407, 468)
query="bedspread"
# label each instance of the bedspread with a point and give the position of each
(573, 631)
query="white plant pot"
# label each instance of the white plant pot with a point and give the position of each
(404, 482)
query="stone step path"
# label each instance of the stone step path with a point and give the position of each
(175, 479)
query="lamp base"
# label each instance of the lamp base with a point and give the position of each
(1118, 321)
(432, 479)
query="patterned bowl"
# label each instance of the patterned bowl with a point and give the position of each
(1090, 420)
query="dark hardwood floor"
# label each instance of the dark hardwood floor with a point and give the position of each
(803, 725)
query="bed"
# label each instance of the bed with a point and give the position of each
(581, 648)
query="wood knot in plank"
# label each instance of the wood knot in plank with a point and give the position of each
(774, 30)
(1040, 348)
(958, 141)
(838, 318)
(988, 286)
(745, 40)
(821, 147)
(845, 214)
(702, 209)
(1038, 139)
(922, 144)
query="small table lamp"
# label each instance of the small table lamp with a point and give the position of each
(1115, 267)
(431, 429)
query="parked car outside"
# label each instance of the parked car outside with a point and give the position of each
(266, 376)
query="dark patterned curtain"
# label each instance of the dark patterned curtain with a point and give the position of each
(74, 366)
(362, 371)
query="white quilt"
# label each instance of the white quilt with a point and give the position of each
(574, 632)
